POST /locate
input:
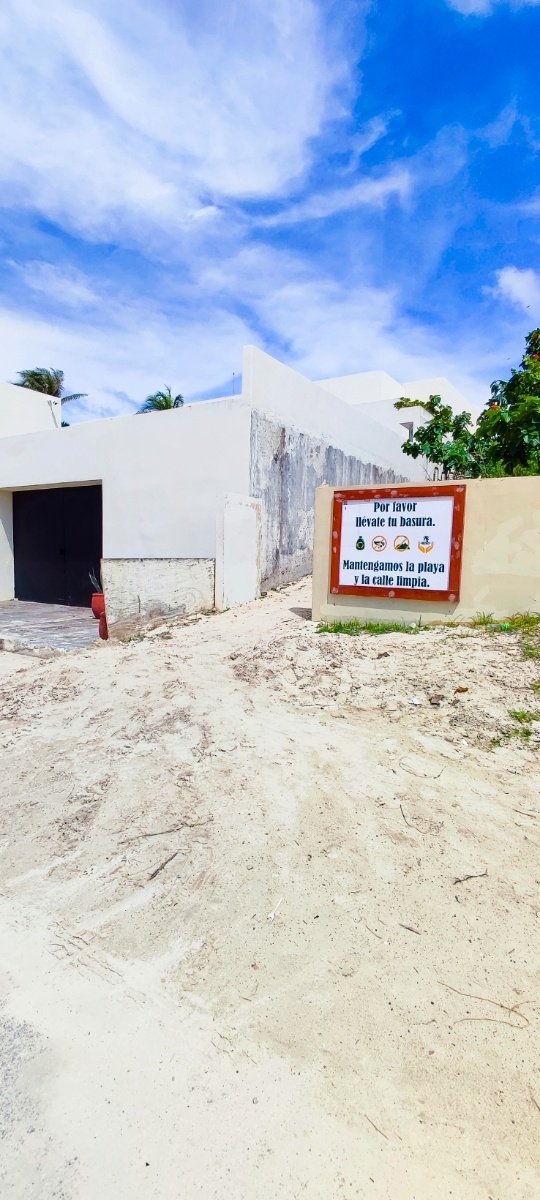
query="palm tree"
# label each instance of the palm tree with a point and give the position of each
(48, 381)
(161, 401)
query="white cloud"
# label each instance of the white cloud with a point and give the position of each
(371, 133)
(65, 285)
(124, 347)
(326, 326)
(482, 8)
(331, 330)
(373, 192)
(472, 7)
(531, 207)
(145, 123)
(127, 352)
(140, 115)
(499, 131)
(522, 288)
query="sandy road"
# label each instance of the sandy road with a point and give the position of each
(235, 961)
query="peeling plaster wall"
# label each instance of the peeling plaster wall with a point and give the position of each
(137, 589)
(284, 395)
(286, 468)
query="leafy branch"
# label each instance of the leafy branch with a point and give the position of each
(506, 440)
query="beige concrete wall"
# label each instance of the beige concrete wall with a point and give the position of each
(500, 568)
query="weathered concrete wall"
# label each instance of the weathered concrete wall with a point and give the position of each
(284, 395)
(138, 589)
(286, 468)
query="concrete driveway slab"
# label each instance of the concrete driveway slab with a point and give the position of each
(28, 626)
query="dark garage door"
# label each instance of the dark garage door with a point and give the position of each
(57, 541)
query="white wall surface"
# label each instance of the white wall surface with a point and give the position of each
(238, 567)
(376, 392)
(7, 578)
(163, 474)
(373, 387)
(385, 413)
(422, 389)
(24, 411)
(366, 387)
(282, 393)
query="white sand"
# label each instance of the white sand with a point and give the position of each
(162, 1037)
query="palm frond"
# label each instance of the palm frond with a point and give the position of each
(48, 381)
(42, 379)
(161, 401)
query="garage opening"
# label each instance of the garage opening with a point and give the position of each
(57, 542)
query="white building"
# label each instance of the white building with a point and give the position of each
(193, 508)
(23, 411)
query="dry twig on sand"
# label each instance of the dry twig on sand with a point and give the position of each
(162, 865)
(384, 1135)
(160, 832)
(512, 1009)
(466, 877)
(409, 823)
(377, 935)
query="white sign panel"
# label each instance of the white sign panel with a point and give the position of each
(399, 543)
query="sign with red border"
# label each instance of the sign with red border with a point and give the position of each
(403, 543)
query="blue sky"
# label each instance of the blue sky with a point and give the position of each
(351, 185)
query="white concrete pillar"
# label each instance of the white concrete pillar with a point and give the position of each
(238, 552)
(7, 566)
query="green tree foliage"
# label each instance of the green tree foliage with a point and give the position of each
(48, 381)
(161, 401)
(508, 431)
(446, 441)
(506, 440)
